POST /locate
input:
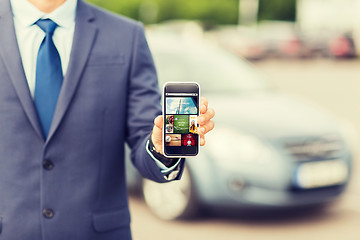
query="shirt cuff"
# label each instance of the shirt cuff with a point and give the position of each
(169, 172)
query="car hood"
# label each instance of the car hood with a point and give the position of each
(272, 115)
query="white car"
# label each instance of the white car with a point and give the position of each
(268, 149)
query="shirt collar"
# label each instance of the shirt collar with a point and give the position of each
(27, 14)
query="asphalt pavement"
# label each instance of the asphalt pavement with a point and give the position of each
(333, 85)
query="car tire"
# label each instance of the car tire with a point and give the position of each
(174, 200)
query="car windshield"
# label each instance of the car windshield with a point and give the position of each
(215, 70)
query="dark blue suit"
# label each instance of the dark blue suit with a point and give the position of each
(109, 96)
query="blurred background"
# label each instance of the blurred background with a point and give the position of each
(284, 79)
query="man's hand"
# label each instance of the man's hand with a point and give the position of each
(204, 121)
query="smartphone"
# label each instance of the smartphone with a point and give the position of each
(180, 111)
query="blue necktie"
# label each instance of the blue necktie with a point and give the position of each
(49, 76)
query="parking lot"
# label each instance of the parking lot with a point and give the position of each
(333, 85)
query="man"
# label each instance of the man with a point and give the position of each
(76, 84)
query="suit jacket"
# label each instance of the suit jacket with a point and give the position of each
(109, 96)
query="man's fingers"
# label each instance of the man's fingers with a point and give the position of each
(204, 118)
(202, 140)
(206, 128)
(203, 105)
(204, 101)
(156, 136)
(158, 121)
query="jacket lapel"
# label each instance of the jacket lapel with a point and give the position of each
(84, 37)
(10, 54)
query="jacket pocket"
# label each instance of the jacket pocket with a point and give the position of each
(105, 60)
(111, 220)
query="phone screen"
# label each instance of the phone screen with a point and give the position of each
(181, 109)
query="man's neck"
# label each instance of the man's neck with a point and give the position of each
(47, 6)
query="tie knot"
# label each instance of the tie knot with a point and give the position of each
(47, 25)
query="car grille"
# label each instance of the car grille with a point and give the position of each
(314, 148)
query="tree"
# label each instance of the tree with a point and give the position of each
(214, 11)
(210, 11)
(284, 10)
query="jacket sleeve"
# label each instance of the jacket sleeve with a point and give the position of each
(143, 106)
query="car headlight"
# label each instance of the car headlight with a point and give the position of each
(231, 148)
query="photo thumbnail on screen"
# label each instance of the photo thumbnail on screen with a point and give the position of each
(193, 124)
(169, 124)
(173, 140)
(181, 105)
(189, 140)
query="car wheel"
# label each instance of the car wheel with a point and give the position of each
(173, 200)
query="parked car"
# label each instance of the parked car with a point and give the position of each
(338, 17)
(342, 46)
(268, 39)
(268, 149)
(283, 39)
(330, 44)
(242, 41)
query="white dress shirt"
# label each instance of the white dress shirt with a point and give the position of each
(30, 36)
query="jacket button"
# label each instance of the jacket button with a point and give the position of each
(48, 213)
(48, 165)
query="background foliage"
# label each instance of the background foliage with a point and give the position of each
(210, 11)
(277, 10)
